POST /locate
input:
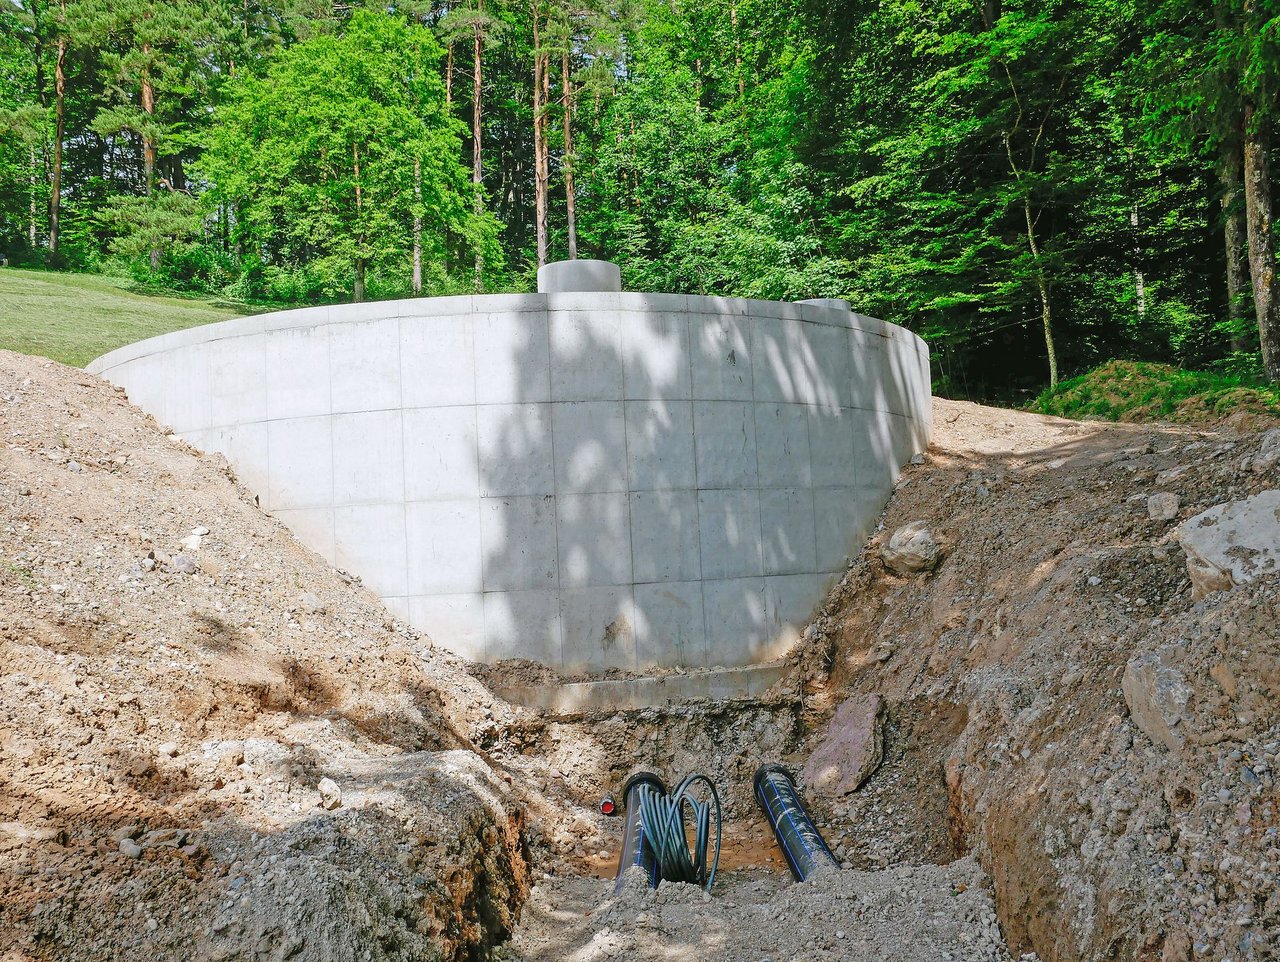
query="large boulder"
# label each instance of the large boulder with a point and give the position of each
(1158, 696)
(912, 549)
(1232, 543)
(851, 748)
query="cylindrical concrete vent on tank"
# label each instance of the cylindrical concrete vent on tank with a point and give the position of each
(594, 277)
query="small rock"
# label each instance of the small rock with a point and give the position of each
(199, 531)
(74, 467)
(1224, 677)
(182, 565)
(1163, 506)
(130, 848)
(917, 459)
(851, 748)
(1094, 581)
(330, 794)
(191, 543)
(126, 832)
(1158, 696)
(311, 603)
(912, 549)
(169, 749)
(24, 492)
(1269, 456)
(1232, 543)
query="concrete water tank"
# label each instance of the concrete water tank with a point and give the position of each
(584, 477)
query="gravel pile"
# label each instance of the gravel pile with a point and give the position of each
(906, 914)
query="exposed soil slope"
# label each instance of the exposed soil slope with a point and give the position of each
(177, 676)
(1003, 671)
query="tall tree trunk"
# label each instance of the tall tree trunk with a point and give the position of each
(357, 292)
(1233, 235)
(477, 113)
(33, 234)
(149, 144)
(1042, 287)
(60, 129)
(448, 76)
(1262, 254)
(1139, 279)
(417, 225)
(737, 50)
(566, 99)
(540, 174)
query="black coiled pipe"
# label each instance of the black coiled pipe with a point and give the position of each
(636, 847)
(799, 840)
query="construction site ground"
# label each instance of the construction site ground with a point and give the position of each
(213, 745)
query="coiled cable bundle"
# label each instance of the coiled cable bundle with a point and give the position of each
(662, 818)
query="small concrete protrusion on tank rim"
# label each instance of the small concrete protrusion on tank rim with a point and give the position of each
(839, 303)
(591, 276)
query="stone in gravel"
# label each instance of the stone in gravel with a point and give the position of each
(1158, 696)
(1224, 678)
(912, 549)
(199, 531)
(74, 467)
(182, 565)
(1163, 506)
(1232, 543)
(311, 603)
(330, 794)
(126, 832)
(169, 749)
(130, 848)
(191, 542)
(851, 748)
(1269, 456)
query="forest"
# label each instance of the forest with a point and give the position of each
(1033, 186)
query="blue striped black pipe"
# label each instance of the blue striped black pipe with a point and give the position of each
(804, 848)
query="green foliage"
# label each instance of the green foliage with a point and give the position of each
(317, 157)
(995, 176)
(1137, 391)
(135, 226)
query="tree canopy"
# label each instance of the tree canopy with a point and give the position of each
(1034, 186)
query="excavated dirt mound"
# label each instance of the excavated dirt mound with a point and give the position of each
(177, 678)
(1109, 831)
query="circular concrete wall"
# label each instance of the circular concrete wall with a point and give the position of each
(591, 480)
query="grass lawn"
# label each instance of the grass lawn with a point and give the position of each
(74, 318)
